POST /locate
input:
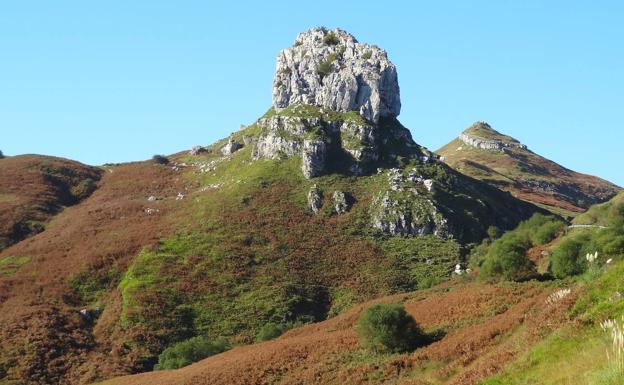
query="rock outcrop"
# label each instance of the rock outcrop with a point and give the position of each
(341, 202)
(231, 147)
(331, 69)
(197, 150)
(407, 207)
(315, 199)
(334, 98)
(488, 143)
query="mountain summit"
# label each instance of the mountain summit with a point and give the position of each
(331, 69)
(335, 103)
(502, 161)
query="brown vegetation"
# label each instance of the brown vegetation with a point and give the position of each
(484, 327)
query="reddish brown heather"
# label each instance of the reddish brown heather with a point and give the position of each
(486, 326)
(41, 334)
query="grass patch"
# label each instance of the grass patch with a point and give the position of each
(11, 264)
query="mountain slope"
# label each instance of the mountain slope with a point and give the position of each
(502, 161)
(34, 188)
(550, 332)
(324, 202)
(483, 326)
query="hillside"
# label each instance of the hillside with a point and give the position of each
(502, 161)
(34, 188)
(548, 331)
(601, 214)
(484, 327)
(323, 203)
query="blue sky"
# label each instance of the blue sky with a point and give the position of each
(122, 80)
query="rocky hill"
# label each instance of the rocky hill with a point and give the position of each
(502, 161)
(324, 202)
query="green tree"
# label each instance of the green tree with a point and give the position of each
(568, 258)
(389, 328)
(507, 258)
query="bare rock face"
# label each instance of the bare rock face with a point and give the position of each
(231, 147)
(313, 157)
(407, 208)
(331, 69)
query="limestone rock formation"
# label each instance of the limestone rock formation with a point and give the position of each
(407, 207)
(341, 203)
(486, 143)
(313, 157)
(332, 69)
(196, 150)
(315, 199)
(334, 98)
(231, 147)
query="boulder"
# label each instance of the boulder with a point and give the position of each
(341, 203)
(196, 150)
(231, 147)
(315, 199)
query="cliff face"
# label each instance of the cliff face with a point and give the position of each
(331, 69)
(335, 103)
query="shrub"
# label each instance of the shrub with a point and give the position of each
(160, 159)
(1, 154)
(271, 330)
(388, 328)
(331, 39)
(324, 67)
(192, 350)
(494, 232)
(546, 232)
(367, 55)
(507, 258)
(568, 258)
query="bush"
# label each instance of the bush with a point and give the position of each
(1, 154)
(546, 232)
(324, 67)
(271, 331)
(160, 159)
(192, 350)
(568, 258)
(367, 55)
(507, 258)
(388, 328)
(494, 233)
(331, 39)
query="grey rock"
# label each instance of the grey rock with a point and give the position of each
(315, 199)
(313, 158)
(196, 150)
(489, 144)
(341, 204)
(360, 78)
(402, 210)
(231, 147)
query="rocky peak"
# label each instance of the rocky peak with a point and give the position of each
(332, 69)
(481, 135)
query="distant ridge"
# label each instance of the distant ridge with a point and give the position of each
(502, 161)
